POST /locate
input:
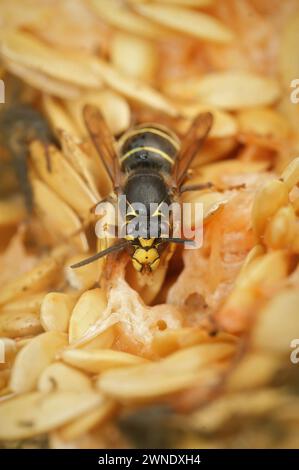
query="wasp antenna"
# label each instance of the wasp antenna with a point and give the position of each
(178, 240)
(101, 254)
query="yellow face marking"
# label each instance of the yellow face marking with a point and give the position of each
(150, 149)
(144, 242)
(136, 265)
(145, 257)
(129, 238)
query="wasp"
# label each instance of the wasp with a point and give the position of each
(20, 124)
(149, 165)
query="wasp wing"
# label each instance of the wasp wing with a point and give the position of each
(103, 141)
(191, 143)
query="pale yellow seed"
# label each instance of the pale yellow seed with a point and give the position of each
(104, 340)
(177, 372)
(96, 361)
(255, 370)
(61, 177)
(228, 90)
(114, 108)
(19, 324)
(84, 424)
(255, 252)
(169, 341)
(291, 174)
(260, 270)
(134, 89)
(83, 278)
(224, 124)
(263, 122)
(28, 303)
(43, 82)
(289, 64)
(80, 161)
(262, 274)
(12, 211)
(56, 310)
(268, 200)
(277, 323)
(26, 50)
(38, 279)
(193, 23)
(58, 116)
(281, 229)
(33, 358)
(211, 203)
(125, 19)
(37, 413)
(58, 376)
(134, 56)
(58, 218)
(86, 312)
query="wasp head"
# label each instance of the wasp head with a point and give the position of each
(145, 257)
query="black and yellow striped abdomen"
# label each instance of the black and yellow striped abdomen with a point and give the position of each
(148, 146)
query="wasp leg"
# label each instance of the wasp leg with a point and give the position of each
(48, 158)
(232, 187)
(196, 187)
(21, 170)
(199, 187)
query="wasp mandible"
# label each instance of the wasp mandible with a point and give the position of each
(149, 166)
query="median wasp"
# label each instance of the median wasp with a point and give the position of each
(149, 166)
